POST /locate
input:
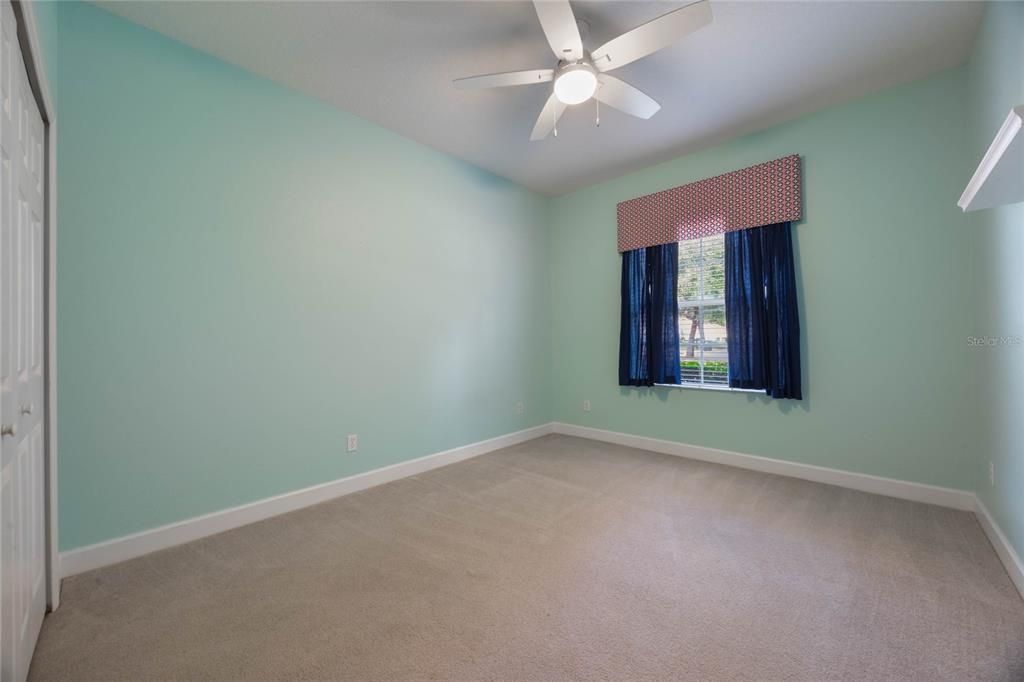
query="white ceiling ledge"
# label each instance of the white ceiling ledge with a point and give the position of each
(999, 179)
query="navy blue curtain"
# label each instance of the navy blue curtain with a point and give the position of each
(649, 332)
(761, 311)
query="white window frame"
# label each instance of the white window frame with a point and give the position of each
(701, 303)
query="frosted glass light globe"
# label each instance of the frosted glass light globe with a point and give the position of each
(575, 86)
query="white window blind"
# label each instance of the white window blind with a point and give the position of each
(703, 353)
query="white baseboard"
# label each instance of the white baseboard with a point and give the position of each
(1009, 557)
(135, 545)
(891, 487)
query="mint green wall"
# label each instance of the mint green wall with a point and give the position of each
(46, 23)
(246, 275)
(995, 84)
(883, 285)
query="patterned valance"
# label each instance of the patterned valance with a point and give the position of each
(764, 194)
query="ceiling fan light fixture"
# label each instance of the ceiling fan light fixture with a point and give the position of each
(575, 75)
(575, 84)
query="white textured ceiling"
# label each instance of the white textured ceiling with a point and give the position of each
(756, 65)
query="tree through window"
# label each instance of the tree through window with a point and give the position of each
(703, 353)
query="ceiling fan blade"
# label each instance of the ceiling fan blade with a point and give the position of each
(559, 24)
(624, 97)
(501, 80)
(652, 36)
(549, 115)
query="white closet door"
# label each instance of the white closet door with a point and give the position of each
(22, 553)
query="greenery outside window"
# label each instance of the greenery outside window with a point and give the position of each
(703, 349)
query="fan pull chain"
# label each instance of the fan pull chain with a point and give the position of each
(597, 123)
(554, 121)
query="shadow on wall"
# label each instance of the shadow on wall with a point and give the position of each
(662, 393)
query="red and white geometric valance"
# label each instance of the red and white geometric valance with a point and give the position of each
(760, 195)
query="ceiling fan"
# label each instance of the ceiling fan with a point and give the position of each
(580, 76)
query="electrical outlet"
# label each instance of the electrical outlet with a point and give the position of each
(519, 407)
(586, 406)
(353, 442)
(992, 474)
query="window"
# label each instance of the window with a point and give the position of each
(703, 353)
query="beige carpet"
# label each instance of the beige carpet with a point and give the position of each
(557, 559)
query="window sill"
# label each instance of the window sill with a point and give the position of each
(716, 389)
